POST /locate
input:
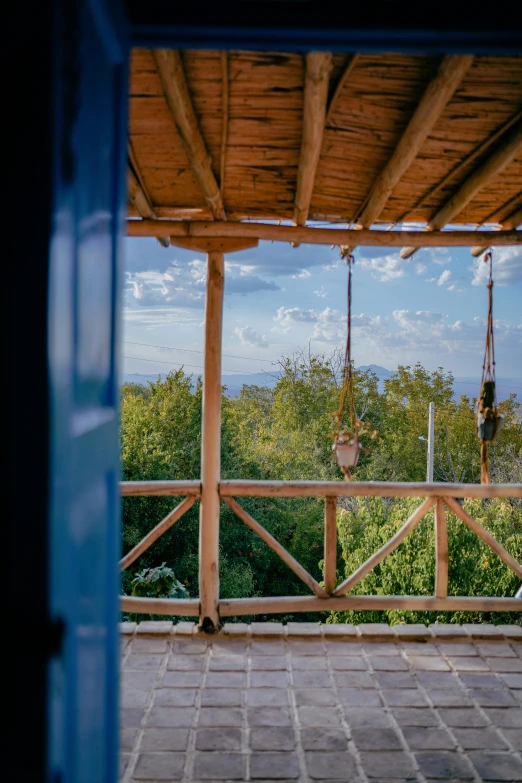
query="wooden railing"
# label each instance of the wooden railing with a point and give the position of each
(331, 597)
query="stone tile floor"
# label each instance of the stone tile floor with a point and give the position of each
(369, 708)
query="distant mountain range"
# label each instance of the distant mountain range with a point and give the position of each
(467, 385)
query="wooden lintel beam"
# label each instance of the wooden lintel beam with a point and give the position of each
(318, 68)
(186, 229)
(502, 156)
(438, 93)
(215, 244)
(511, 222)
(177, 94)
(138, 195)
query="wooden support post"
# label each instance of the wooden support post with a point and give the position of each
(441, 543)
(330, 544)
(211, 446)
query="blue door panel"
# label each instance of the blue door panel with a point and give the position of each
(85, 272)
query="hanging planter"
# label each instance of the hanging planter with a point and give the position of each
(347, 445)
(488, 417)
(346, 451)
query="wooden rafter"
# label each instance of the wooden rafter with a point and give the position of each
(503, 212)
(318, 68)
(138, 195)
(509, 223)
(504, 153)
(348, 68)
(224, 109)
(185, 229)
(172, 76)
(433, 102)
(432, 192)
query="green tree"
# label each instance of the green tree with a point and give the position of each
(286, 433)
(474, 570)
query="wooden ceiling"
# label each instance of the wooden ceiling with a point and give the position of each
(363, 139)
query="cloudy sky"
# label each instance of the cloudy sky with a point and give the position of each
(430, 308)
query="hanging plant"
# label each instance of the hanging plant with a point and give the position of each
(488, 417)
(347, 444)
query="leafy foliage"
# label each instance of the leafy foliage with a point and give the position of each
(474, 570)
(284, 433)
(157, 582)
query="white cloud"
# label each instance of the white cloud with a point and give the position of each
(249, 336)
(385, 268)
(185, 285)
(286, 316)
(421, 269)
(330, 326)
(430, 280)
(333, 265)
(445, 276)
(154, 317)
(304, 274)
(440, 255)
(412, 320)
(507, 267)
(321, 293)
(455, 289)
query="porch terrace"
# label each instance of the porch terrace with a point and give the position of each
(306, 703)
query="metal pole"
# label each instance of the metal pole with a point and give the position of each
(211, 447)
(431, 439)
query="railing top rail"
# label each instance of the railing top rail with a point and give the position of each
(159, 488)
(248, 488)
(243, 488)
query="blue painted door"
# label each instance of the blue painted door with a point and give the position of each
(85, 259)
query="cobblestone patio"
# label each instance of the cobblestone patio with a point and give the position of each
(321, 703)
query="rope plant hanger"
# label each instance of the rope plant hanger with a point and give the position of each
(488, 419)
(347, 441)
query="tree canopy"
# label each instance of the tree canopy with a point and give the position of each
(284, 433)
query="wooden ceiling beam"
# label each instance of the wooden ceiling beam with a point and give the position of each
(504, 153)
(433, 191)
(348, 68)
(433, 102)
(186, 229)
(174, 83)
(318, 68)
(224, 130)
(138, 195)
(509, 223)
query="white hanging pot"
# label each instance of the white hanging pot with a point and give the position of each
(347, 453)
